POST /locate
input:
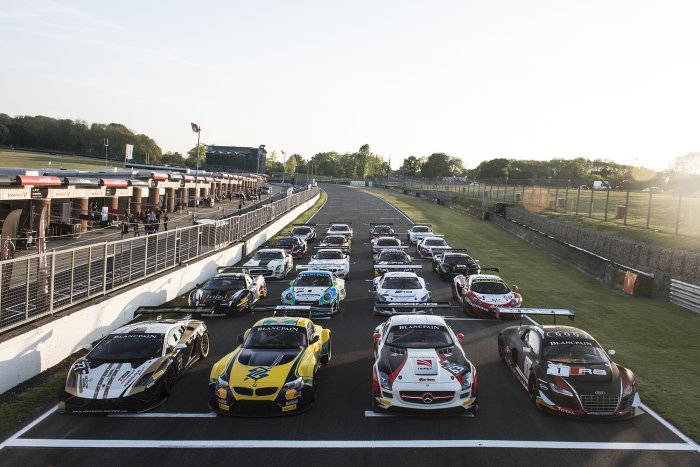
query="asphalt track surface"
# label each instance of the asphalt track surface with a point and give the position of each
(341, 429)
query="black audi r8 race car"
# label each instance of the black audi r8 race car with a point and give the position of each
(381, 230)
(229, 293)
(565, 371)
(136, 367)
(449, 263)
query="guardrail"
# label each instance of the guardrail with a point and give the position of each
(40, 285)
(685, 295)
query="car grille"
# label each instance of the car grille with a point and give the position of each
(243, 391)
(307, 302)
(255, 407)
(265, 391)
(594, 404)
(426, 397)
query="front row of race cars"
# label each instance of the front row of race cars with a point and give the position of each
(419, 363)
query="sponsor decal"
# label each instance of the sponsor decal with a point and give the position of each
(124, 377)
(453, 368)
(426, 379)
(289, 408)
(221, 394)
(136, 335)
(81, 367)
(428, 363)
(223, 406)
(582, 343)
(564, 334)
(420, 326)
(563, 370)
(291, 394)
(258, 373)
(276, 328)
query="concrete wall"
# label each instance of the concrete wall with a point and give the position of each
(46, 345)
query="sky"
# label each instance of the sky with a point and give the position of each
(474, 79)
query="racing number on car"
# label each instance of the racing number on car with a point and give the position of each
(527, 364)
(179, 363)
(454, 368)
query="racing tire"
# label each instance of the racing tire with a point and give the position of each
(325, 359)
(169, 381)
(468, 310)
(263, 292)
(204, 345)
(532, 388)
(501, 349)
(454, 291)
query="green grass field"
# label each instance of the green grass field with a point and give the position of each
(32, 160)
(657, 340)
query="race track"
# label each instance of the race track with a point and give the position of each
(341, 428)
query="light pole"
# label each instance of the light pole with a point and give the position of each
(196, 128)
(106, 146)
(284, 165)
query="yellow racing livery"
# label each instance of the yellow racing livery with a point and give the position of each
(273, 371)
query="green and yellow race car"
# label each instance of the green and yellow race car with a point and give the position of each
(273, 371)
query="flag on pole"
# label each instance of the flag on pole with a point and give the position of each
(195, 128)
(129, 152)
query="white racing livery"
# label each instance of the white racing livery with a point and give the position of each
(331, 259)
(420, 367)
(426, 246)
(270, 262)
(340, 229)
(417, 232)
(401, 288)
(481, 294)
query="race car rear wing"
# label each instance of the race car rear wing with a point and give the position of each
(332, 267)
(403, 267)
(390, 247)
(331, 247)
(255, 270)
(534, 311)
(231, 270)
(306, 224)
(180, 312)
(410, 305)
(381, 223)
(423, 225)
(453, 250)
(304, 311)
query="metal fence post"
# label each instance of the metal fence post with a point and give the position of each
(649, 208)
(607, 200)
(104, 271)
(145, 256)
(53, 279)
(590, 205)
(26, 291)
(578, 198)
(678, 212)
(566, 197)
(627, 207)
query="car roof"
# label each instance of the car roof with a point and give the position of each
(400, 274)
(544, 329)
(234, 275)
(417, 319)
(485, 277)
(321, 271)
(392, 250)
(387, 238)
(282, 321)
(148, 327)
(340, 225)
(274, 250)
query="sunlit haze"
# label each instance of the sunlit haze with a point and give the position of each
(478, 80)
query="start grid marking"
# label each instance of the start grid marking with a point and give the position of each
(17, 441)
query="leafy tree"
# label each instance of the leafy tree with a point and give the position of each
(291, 165)
(173, 159)
(493, 169)
(437, 165)
(411, 166)
(191, 160)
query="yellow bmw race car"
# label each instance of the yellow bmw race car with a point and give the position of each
(273, 371)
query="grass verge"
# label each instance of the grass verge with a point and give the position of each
(657, 340)
(37, 395)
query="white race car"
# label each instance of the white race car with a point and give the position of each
(417, 232)
(270, 262)
(331, 259)
(402, 292)
(340, 229)
(420, 367)
(427, 245)
(480, 294)
(384, 243)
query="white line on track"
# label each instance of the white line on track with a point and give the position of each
(319, 209)
(342, 444)
(163, 415)
(28, 427)
(372, 413)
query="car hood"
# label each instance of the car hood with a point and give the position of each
(406, 295)
(265, 262)
(301, 293)
(424, 365)
(584, 373)
(219, 295)
(496, 299)
(97, 380)
(263, 367)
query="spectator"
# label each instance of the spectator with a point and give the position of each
(166, 218)
(135, 225)
(240, 205)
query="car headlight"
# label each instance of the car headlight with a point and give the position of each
(145, 380)
(559, 388)
(296, 384)
(424, 298)
(278, 268)
(383, 298)
(384, 381)
(327, 296)
(467, 381)
(289, 296)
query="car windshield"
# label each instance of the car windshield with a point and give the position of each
(129, 347)
(566, 350)
(435, 242)
(457, 260)
(287, 242)
(402, 283)
(339, 228)
(419, 336)
(275, 337)
(224, 283)
(420, 228)
(490, 287)
(313, 280)
(329, 255)
(392, 256)
(301, 230)
(381, 230)
(335, 240)
(262, 255)
(387, 242)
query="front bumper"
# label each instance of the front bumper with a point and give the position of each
(281, 404)
(571, 408)
(413, 402)
(140, 402)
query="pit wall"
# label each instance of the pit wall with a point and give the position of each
(25, 356)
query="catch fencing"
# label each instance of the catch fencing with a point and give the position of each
(674, 213)
(40, 285)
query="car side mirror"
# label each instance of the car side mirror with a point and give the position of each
(527, 349)
(240, 339)
(315, 338)
(198, 286)
(313, 256)
(460, 336)
(181, 347)
(476, 261)
(611, 352)
(291, 282)
(514, 288)
(376, 336)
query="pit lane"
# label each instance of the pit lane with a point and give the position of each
(340, 428)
